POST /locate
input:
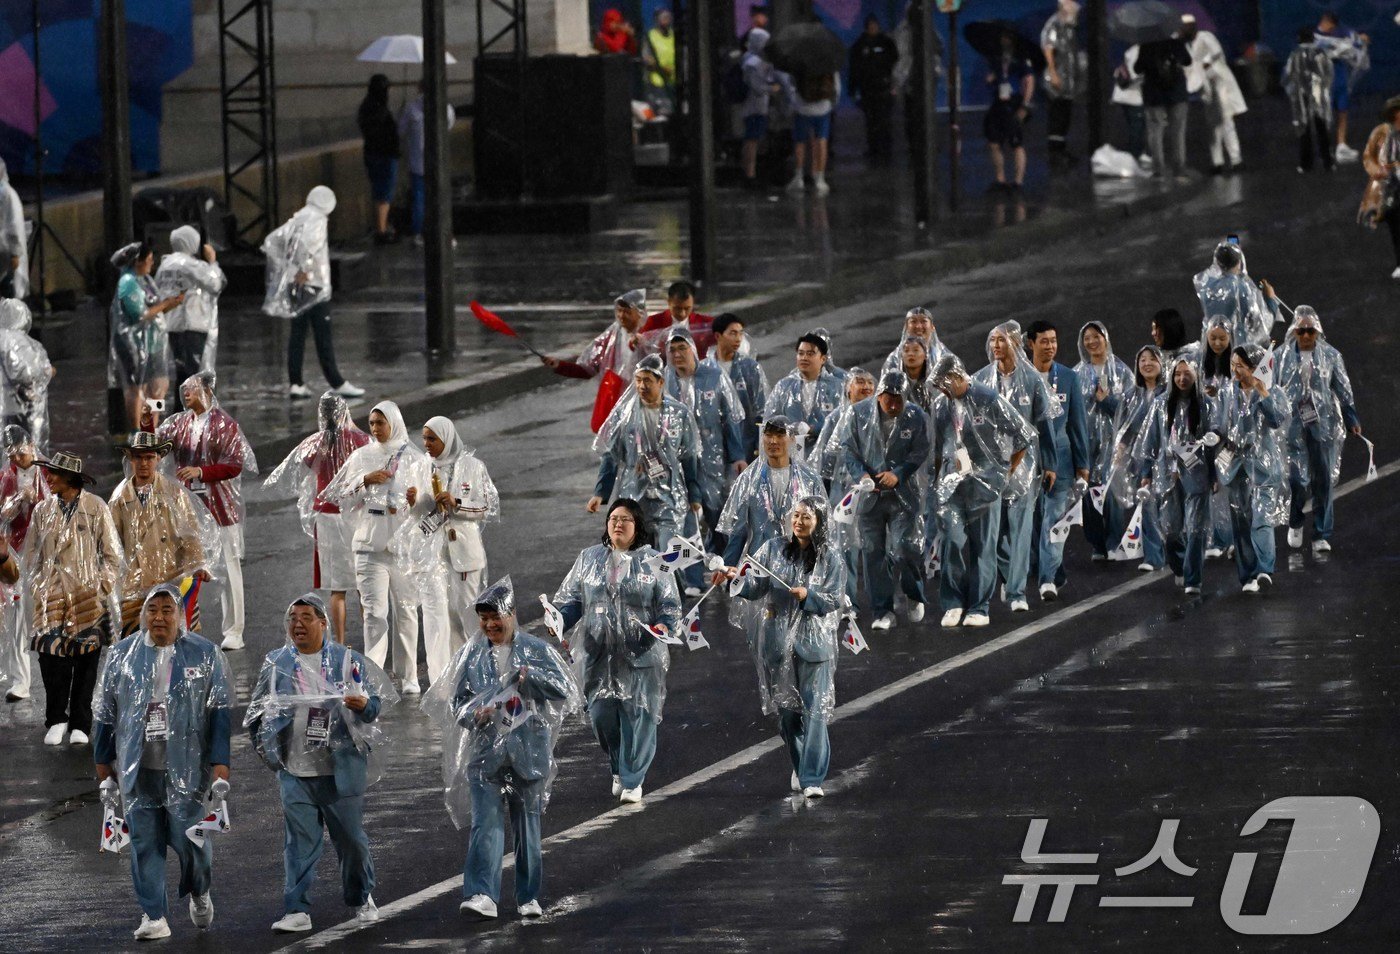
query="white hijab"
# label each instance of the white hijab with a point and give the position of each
(398, 433)
(446, 432)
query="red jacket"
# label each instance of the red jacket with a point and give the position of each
(701, 329)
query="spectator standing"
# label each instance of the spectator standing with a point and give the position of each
(411, 134)
(1127, 93)
(1162, 64)
(873, 58)
(813, 100)
(381, 153)
(616, 35)
(1012, 80)
(1308, 78)
(191, 273)
(1351, 58)
(659, 58)
(1220, 92)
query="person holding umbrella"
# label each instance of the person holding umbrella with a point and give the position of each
(1011, 76)
(812, 56)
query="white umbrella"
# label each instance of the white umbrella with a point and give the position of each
(403, 48)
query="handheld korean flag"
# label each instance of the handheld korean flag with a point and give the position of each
(215, 818)
(851, 637)
(680, 554)
(1096, 496)
(1059, 530)
(1130, 547)
(512, 711)
(1371, 462)
(553, 619)
(746, 569)
(846, 509)
(660, 631)
(116, 834)
(355, 681)
(694, 639)
(934, 563)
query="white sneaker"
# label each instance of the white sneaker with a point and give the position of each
(1179, 580)
(150, 930)
(480, 905)
(797, 184)
(232, 642)
(348, 390)
(883, 622)
(16, 695)
(55, 734)
(1098, 557)
(368, 912)
(297, 922)
(1251, 587)
(1193, 591)
(1345, 153)
(201, 910)
(794, 784)
(952, 618)
(632, 796)
(1295, 537)
(1214, 553)
(530, 909)
(813, 791)
(1396, 273)
(1146, 568)
(1264, 579)
(617, 785)
(821, 188)
(977, 619)
(916, 613)
(298, 391)
(1020, 606)
(1049, 592)
(78, 737)
(1322, 546)
(411, 689)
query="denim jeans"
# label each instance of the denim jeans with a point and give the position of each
(311, 806)
(487, 841)
(627, 734)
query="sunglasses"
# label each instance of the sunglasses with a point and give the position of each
(1306, 331)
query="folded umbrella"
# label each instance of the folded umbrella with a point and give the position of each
(808, 48)
(1144, 21)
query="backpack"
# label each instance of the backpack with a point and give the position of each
(814, 89)
(736, 90)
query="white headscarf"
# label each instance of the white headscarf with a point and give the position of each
(446, 432)
(321, 199)
(185, 239)
(398, 433)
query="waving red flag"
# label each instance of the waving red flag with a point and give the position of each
(498, 324)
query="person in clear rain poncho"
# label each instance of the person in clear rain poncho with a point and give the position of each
(762, 495)
(841, 474)
(612, 599)
(917, 369)
(373, 488)
(1321, 411)
(139, 348)
(1065, 76)
(166, 534)
(980, 442)
(162, 736)
(1252, 464)
(886, 440)
(314, 720)
(191, 272)
(298, 287)
(1149, 384)
(613, 354)
(211, 455)
(1066, 474)
(1011, 375)
(650, 452)
(449, 559)
(501, 706)
(745, 374)
(14, 240)
(719, 419)
(1173, 459)
(1226, 290)
(806, 395)
(1216, 376)
(918, 323)
(304, 474)
(72, 564)
(1307, 79)
(22, 486)
(1104, 383)
(793, 635)
(25, 373)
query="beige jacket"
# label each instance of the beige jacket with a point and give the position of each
(161, 538)
(73, 564)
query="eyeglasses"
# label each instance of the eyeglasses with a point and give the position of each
(621, 520)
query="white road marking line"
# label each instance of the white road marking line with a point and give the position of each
(755, 752)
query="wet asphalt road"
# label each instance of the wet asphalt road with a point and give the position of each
(1124, 705)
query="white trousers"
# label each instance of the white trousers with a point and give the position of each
(231, 590)
(1224, 138)
(447, 600)
(384, 588)
(14, 640)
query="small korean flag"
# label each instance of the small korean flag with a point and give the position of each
(1059, 531)
(1130, 547)
(852, 639)
(660, 631)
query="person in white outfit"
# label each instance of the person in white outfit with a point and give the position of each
(463, 497)
(191, 271)
(1209, 74)
(14, 240)
(374, 485)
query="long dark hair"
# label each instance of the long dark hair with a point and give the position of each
(1173, 328)
(1216, 365)
(1192, 399)
(794, 550)
(376, 102)
(643, 534)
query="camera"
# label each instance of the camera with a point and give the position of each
(156, 405)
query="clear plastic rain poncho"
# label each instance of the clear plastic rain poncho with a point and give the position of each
(614, 597)
(1116, 381)
(382, 510)
(21, 488)
(185, 272)
(139, 348)
(1253, 447)
(300, 246)
(499, 728)
(1318, 389)
(25, 368)
(917, 315)
(1028, 393)
(1173, 450)
(1307, 79)
(166, 535)
(656, 454)
(1214, 371)
(1060, 33)
(719, 419)
(314, 463)
(973, 440)
(72, 564)
(1133, 410)
(442, 540)
(904, 452)
(783, 630)
(1233, 296)
(214, 443)
(14, 234)
(918, 388)
(297, 717)
(760, 500)
(806, 404)
(169, 708)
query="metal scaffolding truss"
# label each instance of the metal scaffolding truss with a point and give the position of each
(511, 41)
(248, 103)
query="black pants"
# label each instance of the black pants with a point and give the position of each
(187, 347)
(68, 685)
(1057, 122)
(1392, 222)
(318, 319)
(1317, 128)
(879, 138)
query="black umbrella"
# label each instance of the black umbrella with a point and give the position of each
(806, 48)
(984, 36)
(1144, 21)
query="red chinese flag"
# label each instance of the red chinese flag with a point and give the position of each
(491, 320)
(610, 388)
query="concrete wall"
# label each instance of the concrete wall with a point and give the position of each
(319, 81)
